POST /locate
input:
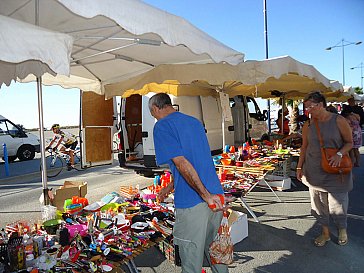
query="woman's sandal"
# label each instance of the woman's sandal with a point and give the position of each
(342, 238)
(321, 240)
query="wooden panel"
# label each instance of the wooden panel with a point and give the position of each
(133, 119)
(96, 111)
(133, 109)
(97, 142)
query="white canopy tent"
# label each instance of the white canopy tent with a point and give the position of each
(349, 91)
(118, 39)
(27, 49)
(358, 98)
(251, 78)
(281, 76)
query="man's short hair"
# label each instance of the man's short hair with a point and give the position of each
(160, 100)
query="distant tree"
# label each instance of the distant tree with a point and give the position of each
(358, 90)
(294, 113)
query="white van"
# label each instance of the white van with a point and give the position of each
(18, 143)
(136, 133)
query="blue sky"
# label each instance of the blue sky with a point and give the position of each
(301, 29)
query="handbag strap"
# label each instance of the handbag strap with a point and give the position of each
(319, 134)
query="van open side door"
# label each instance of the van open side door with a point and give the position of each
(212, 120)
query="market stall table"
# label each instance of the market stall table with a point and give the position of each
(240, 181)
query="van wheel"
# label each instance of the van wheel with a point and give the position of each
(26, 152)
(11, 158)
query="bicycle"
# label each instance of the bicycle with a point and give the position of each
(57, 161)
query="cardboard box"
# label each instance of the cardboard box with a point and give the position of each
(238, 223)
(279, 183)
(69, 189)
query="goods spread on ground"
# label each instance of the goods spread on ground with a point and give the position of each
(98, 237)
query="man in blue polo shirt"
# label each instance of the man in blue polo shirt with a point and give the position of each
(181, 142)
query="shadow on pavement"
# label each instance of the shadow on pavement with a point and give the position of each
(296, 252)
(278, 245)
(356, 205)
(18, 168)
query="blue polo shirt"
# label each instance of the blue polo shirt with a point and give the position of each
(181, 135)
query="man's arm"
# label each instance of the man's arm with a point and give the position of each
(345, 131)
(302, 151)
(50, 143)
(190, 175)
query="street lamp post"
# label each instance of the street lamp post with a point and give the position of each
(266, 54)
(343, 44)
(361, 72)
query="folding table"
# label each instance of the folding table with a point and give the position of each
(259, 172)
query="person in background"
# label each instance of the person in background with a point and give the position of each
(329, 192)
(354, 122)
(357, 110)
(66, 143)
(290, 139)
(285, 129)
(180, 141)
(339, 108)
(331, 109)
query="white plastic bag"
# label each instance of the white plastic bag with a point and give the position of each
(221, 249)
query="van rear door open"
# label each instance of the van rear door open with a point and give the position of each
(97, 129)
(136, 124)
(205, 109)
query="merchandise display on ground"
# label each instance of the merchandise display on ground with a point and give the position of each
(103, 236)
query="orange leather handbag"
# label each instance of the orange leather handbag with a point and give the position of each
(326, 153)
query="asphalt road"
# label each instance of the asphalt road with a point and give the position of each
(18, 168)
(19, 196)
(281, 243)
